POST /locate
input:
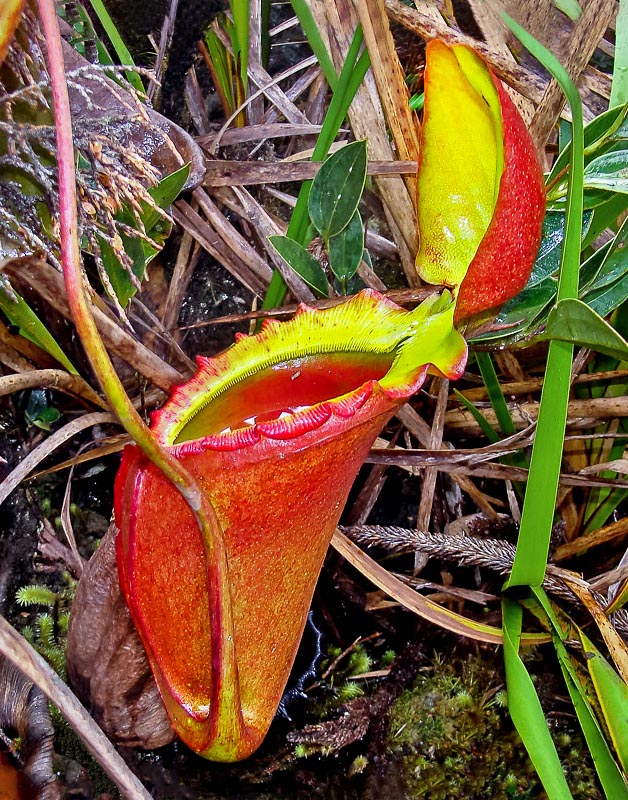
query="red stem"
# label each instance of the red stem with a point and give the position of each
(225, 700)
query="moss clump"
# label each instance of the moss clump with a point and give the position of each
(453, 737)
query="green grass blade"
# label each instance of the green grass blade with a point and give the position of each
(240, 11)
(619, 87)
(612, 694)
(525, 708)
(538, 510)
(495, 394)
(124, 56)
(351, 76)
(485, 426)
(569, 7)
(315, 40)
(610, 776)
(608, 773)
(220, 58)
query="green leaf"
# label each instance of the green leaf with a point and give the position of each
(345, 249)
(302, 262)
(608, 298)
(574, 321)
(20, 314)
(605, 216)
(548, 258)
(608, 172)
(337, 189)
(164, 193)
(609, 126)
(517, 317)
(140, 252)
(615, 263)
(38, 412)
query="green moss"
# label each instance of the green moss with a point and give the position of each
(453, 738)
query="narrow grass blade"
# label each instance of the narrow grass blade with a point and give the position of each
(315, 41)
(538, 510)
(485, 426)
(619, 87)
(569, 7)
(240, 11)
(608, 772)
(495, 394)
(124, 56)
(612, 694)
(525, 708)
(221, 67)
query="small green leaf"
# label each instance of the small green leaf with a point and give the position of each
(302, 262)
(609, 126)
(574, 321)
(164, 193)
(337, 189)
(20, 314)
(345, 249)
(38, 410)
(608, 298)
(615, 263)
(608, 172)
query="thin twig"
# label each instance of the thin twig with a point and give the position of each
(19, 652)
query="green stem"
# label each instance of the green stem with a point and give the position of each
(225, 682)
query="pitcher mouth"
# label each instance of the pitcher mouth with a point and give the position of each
(294, 376)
